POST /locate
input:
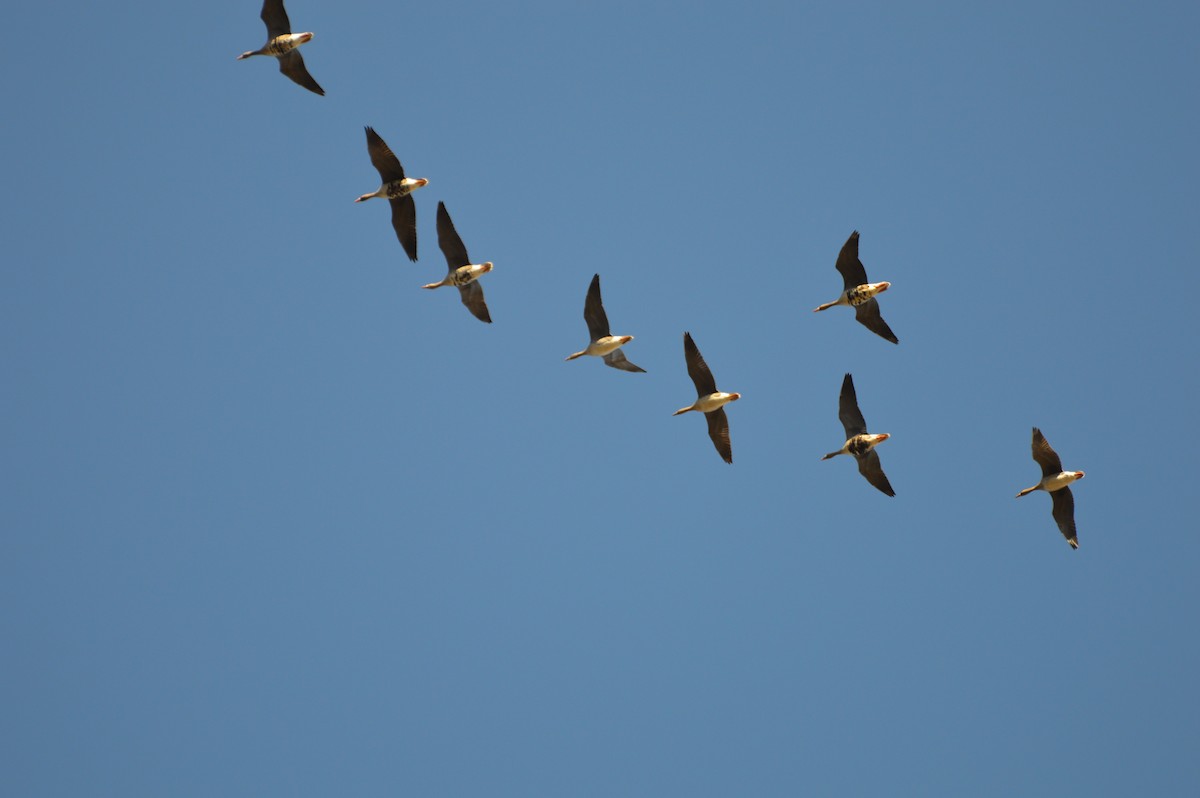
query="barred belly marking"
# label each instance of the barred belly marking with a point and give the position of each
(858, 446)
(859, 295)
(281, 45)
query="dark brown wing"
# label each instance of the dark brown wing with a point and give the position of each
(697, 368)
(848, 412)
(452, 246)
(292, 64)
(404, 222)
(593, 311)
(382, 158)
(276, 19)
(617, 360)
(853, 272)
(1047, 458)
(870, 467)
(1064, 514)
(868, 316)
(472, 297)
(718, 430)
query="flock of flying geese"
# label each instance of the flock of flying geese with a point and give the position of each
(857, 293)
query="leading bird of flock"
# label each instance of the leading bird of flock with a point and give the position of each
(461, 272)
(858, 293)
(1055, 481)
(603, 344)
(860, 443)
(709, 400)
(282, 44)
(397, 189)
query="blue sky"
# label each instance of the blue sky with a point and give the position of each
(278, 522)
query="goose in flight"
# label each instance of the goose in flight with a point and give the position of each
(860, 443)
(461, 272)
(709, 400)
(858, 293)
(397, 189)
(1055, 481)
(603, 344)
(282, 44)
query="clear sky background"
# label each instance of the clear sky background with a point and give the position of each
(278, 522)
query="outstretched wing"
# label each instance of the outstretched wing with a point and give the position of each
(697, 368)
(593, 311)
(404, 222)
(853, 272)
(617, 360)
(383, 159)
(291, 64)
(1064, 514)
(472, 297)
(870, 467)
(276, 19)
(1048, 459)
(718, 430)
(848, 412)
(452, 246)
(868, 316)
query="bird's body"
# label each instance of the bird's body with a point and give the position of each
(460, 271)
(397, 190)
(709, 400)
(860, 444)
(603, 344)
(282, 44)
(463, 275)
(1055, 481)
(858, 293)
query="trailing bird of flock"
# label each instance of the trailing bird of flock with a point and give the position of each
(857, 293)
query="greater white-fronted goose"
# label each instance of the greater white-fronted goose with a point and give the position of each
(860, 443)
(1055, 481)
(462, 272)
(858, 293)
(397, 190)
(282, 44)
(709, 400)
(603, 343)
